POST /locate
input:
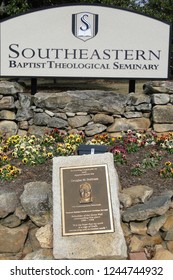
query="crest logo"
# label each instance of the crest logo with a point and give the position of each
(84, 25)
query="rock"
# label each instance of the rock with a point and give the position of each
(158, 87)
(125, 199)
(137, 256)
(139, 227)
(41, 254)
(12, 239)
(25, 100)
(169, 221)
(33, 240)
(27, 248)
(163, 114)
(41, 119)
(24, 111)
(103, 119)
(38, 130)
(37, 202)
(20, 213)
(49, 113)
(139, 193)
(10, 88)
(38, 110)
(8, 127)
(135, 99)
(144, 107)
(61, 116)
(8, 203)
(170, 246)
(93, 129)
(11, 256)
(123, 124)
(57, 122)
(155, 224)
(160, 99)
(7, 102)
(136, 244)
(90, 101)
(69, 114)
(22, 132)
(24, 115)
(131, 115)
(81, 113)
(155, 206)
(162, 254)
(162, 127)
(151, 240)
(10, 221)
(78, 121)
(126, 229)
(45, 236)
(7, 115)
(23, 125)
(169, 235)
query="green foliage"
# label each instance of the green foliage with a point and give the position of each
(151, 161)
(167, 170)
(163, 10)
(16, 7)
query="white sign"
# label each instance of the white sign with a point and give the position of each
(84, 41)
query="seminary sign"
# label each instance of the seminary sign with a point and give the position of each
(86, 200)
(84, 41)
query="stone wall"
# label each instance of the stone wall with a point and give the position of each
(26, 223)
(93, 111)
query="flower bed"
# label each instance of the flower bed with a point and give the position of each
(17, 151)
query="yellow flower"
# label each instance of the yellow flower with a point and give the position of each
(94, 141)
(60, 145)
(25, 160)
(68, 146)
(50, 155)
(5, 147)
(33, 137)
(9, 167)
(5, 158)
(78, 140)
(168, 163)
(12, 172)
(14, 141)
(22, 148)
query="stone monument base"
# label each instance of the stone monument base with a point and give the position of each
(104, 245)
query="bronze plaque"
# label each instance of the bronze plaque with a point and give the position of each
(86, 204)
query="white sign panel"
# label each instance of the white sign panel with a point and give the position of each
(84, 41)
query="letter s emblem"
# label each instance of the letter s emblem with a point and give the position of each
(85, 22)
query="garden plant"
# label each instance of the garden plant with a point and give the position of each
(135, 153)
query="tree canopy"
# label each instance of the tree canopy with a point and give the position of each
(162, 10)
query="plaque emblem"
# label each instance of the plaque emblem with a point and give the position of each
(84, 25)
(85, 200)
